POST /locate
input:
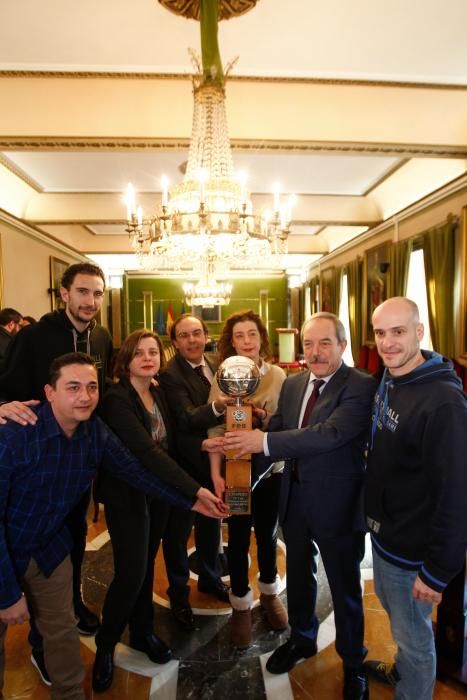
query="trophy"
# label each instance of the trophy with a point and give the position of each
(238, 377)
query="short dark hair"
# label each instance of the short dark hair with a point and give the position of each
(173, 329)
(70, 358)
(83, 268)
(128, 349)
(225, 347)
(7, 314)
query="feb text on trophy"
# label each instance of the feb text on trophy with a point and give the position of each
(238, 377)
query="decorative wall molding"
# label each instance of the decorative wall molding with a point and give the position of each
(147, 75)
(38, 235)
(78, 143)
(451, 189)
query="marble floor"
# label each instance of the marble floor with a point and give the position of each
(205, 665)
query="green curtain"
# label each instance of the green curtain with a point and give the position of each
(355, 292)
(399, 257)
(439, 245)
(314, 286)
(329, 301)
(338, 284)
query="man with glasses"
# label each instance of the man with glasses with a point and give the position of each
(187, 380)
(25, 373)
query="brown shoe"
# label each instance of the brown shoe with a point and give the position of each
(275, 611)
(240, 630)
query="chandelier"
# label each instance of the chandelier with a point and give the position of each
(208, 220)
(209, 291)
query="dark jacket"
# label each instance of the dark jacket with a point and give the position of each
(187, 395)
(330, 452)
(5, 339)
(416, 486)
(26, 367)
(124, 412)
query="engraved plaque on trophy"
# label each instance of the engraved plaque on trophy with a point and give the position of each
(238, 377)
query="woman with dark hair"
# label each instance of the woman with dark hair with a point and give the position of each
(245, 334)
(135, 409)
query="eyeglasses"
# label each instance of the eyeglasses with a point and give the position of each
(194, 334)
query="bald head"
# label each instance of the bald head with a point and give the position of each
(398, 332)
(399, 305)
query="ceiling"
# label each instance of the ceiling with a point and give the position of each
(358, 108)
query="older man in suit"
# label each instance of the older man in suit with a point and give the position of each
(187, 380)
(321, 428)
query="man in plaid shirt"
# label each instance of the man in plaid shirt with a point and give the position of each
(44, 469)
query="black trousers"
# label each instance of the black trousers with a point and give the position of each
(136, 523)
(341, 555)
(174, 544)
(78, 528)
(264, 519)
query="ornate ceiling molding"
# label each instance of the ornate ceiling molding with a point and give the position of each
(285, 80)
(403, 150)
(191, 8)
(16, 170)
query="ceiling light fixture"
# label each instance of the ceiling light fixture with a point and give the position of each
(209, 215)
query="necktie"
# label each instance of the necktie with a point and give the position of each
(200, 372)
(312, 399)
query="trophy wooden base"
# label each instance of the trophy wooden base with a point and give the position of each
(238, 486)
(238, 471)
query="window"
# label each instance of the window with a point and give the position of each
(416, 290)
(344, 317)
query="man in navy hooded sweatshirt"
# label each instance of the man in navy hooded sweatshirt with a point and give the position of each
(416, 492)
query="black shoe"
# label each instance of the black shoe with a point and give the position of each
(355, 684)
(88, 622)
(286, 656)
(382, 671)
(37, 659)
(183, 614)
(103, 670)
(217, 588)
(153, 647)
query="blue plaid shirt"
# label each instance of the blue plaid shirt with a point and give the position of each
(42, 475)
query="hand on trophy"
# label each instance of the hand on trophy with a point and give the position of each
(244, 442)
(209, 504)
(214, 444)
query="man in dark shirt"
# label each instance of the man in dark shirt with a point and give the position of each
(44, 470)
(186, 380)
(10, 324)
(22, 382)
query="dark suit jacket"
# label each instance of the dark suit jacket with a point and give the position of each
(187, 395)
(329, 453)
(126, 415)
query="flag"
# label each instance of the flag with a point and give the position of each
(159, 326)
(170, 319)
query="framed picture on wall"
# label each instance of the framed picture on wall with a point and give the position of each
(209, 314)
(463, 289)
(57, 268)
(376, 279)
(327, 288)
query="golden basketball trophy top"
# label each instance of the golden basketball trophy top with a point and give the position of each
(238, 377)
